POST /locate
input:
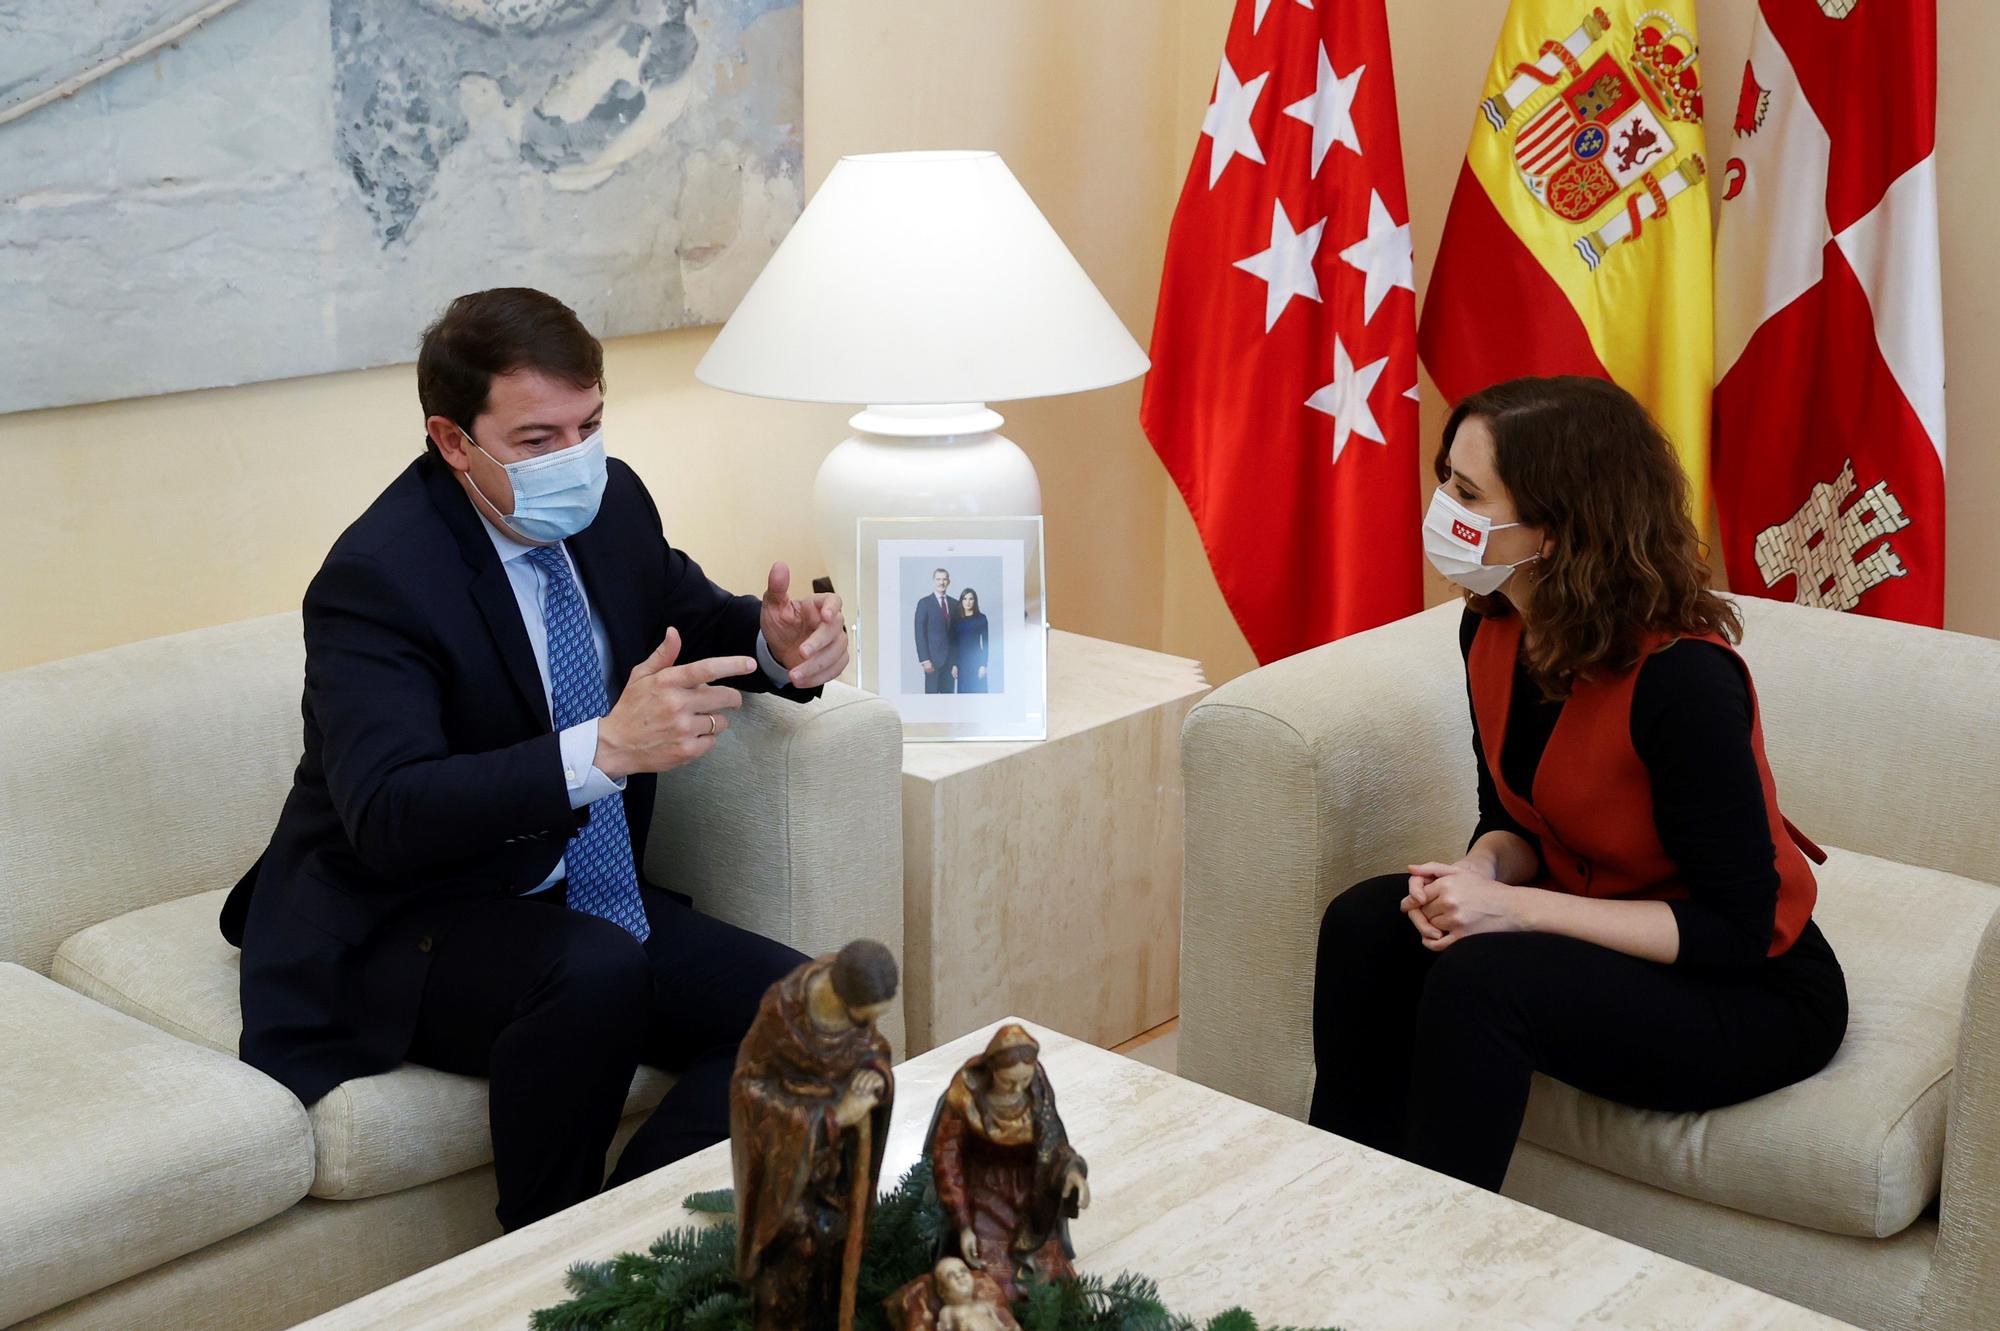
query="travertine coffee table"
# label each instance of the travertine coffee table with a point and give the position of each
(1222, 1202)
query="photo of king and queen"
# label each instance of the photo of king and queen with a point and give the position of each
(952, 634)
(809, 1110)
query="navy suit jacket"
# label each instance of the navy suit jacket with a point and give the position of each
(432, 775)
(933, 629)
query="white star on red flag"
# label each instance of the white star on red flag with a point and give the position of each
(1346, 398)
(1238, 412)
(1264, 7)
(1330, 110)
(1384, 255)
(1228, 120)
(1287, 266)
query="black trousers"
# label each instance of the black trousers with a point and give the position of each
(558, 1008)
(1428, 1055)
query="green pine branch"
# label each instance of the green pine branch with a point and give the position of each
(722, 1201)
(686, 1279)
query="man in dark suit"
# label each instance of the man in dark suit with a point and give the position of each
(500, 654)
(935, 649)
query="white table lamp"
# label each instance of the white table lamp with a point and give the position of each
(925, 285)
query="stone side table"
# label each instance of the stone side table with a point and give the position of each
(1043, 879)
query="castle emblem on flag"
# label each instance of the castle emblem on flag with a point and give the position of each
(1591, 134)
(1818, 545)
(1753, 103)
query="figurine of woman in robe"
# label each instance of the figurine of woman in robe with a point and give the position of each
(808, 1116)
(1005, 1174)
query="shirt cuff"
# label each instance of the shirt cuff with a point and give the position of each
(586, 784)
(774, 672)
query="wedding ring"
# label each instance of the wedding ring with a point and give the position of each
(711, 724)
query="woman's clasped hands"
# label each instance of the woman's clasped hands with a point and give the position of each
(1447, 902)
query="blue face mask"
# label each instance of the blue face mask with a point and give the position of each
(557, 495)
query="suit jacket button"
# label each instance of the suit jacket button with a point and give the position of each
(424, 943)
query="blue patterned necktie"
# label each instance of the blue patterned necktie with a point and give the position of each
(598, 860)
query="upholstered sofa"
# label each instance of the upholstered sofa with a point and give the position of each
(149, 1178)
(1871, 1191)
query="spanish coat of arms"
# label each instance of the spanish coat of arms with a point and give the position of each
(1592, 126)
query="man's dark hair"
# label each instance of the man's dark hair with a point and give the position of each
(864, 974)
(497, 332)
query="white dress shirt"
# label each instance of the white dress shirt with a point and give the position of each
(578, 743)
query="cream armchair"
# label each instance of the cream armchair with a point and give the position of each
(151, 1179)
(1871, 1191)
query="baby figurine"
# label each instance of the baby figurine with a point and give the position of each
(963, 1308)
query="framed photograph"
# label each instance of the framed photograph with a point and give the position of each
(953, 625)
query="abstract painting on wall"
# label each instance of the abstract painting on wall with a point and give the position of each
(241, 190)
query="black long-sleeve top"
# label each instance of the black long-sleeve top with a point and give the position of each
(1691, 719)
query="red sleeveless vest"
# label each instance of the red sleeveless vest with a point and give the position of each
(1592, 799)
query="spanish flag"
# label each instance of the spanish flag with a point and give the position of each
(1579, 239)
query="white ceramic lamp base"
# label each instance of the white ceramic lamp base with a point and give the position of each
(918, 462)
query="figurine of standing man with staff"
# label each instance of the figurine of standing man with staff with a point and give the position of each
(808, 1114)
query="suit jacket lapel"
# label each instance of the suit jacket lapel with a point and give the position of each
(612, 598)
(489, 587)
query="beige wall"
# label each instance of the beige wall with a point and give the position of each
(137, 518)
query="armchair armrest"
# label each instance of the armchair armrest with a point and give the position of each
(793, 825)
(1964, 1284)
(1302, 779)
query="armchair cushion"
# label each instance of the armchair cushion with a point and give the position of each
(122, 1147)
(169, 967)
(794, 826)
(1859, 1148)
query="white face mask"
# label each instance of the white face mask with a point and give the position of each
(1455, 541)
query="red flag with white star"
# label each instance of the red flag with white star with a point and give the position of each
(1829, 426)
(1283, 393)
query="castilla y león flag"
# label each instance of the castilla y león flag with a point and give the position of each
(1829, 338)
(1578, 240)
(1282, 397)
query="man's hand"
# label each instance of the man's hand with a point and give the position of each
(809, 637)
(928, 667)
(669, 714)
(863, 1093)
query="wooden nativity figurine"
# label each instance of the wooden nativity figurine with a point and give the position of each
(808, 1116)
(1006, 1176)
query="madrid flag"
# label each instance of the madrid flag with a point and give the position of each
(1578, 240)
(1282, 397)
(1829, 416)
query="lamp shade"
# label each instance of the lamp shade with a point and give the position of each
(921, 277)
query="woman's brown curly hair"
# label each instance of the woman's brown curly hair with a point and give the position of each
(1586, 463)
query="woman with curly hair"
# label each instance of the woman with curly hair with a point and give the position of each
(1633, 915)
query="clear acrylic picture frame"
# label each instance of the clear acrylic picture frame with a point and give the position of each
(896, 560)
